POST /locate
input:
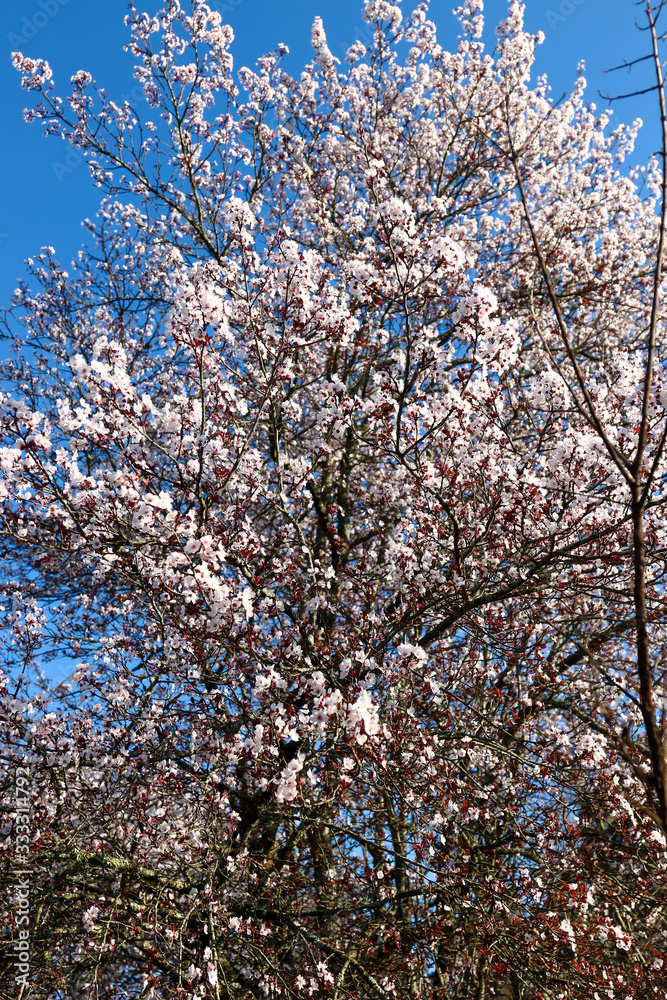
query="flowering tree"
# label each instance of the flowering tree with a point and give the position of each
(336, 469)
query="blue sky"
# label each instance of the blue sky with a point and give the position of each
(45, 196)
